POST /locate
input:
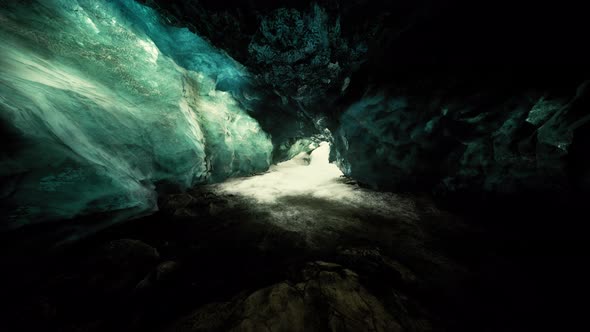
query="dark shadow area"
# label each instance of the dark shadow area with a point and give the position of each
(442, 271)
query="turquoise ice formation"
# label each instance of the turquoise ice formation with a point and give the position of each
(102, 101)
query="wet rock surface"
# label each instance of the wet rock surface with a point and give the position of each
(328, 297)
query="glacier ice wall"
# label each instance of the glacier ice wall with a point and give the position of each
(100, 101)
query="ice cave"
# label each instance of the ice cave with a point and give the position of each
(325, 165)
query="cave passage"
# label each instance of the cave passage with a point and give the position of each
(306, 174)
(308, 195)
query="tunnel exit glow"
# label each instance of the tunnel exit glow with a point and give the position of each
(305, 174)
(299, 192)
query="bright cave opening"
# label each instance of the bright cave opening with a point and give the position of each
(306, 174)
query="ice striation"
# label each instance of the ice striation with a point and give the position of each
(102, 102)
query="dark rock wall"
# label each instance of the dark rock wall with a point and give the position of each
(504, 138)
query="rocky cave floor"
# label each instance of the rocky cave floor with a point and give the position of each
(213, 261)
